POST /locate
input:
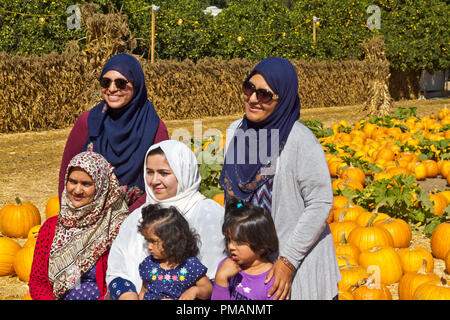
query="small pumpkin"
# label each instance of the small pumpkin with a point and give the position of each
(399, 230)
(219, 198)
(439, 203)
(16, 219)
(348, 213)
(34, 232)
(343, 248)
(26, 296)
(343, 260)
(384, 260)
(22, 263)
(370, 236)
(8, 250)
(52, 207)
(433, 290)
(412, 259)
(440, 240)
(340, 226)
(365, 216)
(412, 280)
(370, 290)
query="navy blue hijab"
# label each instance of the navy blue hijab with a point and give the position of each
(242, 180)
(124, 135)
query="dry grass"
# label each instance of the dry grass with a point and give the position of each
(29, 165)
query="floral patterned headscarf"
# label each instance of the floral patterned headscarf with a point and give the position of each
(84, 234)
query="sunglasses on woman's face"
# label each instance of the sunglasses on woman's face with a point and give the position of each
(120, 83)
(263, 95)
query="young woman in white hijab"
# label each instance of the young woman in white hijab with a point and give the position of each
(171, 179)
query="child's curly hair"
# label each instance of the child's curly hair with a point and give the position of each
(250, 224)
(179, 242)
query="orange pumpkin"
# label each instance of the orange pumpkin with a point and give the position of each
(365, 216)
(340, 227)
(27, 296)
(447, 262)
(382, 260)
(399, 230)
(433, 290)
(347, 214)
(345, 295)
(420, 171)
(351, 274)
(371, 291)
(439, 203)
(34, 232)
(52, 207)
(341, 202)
(345, 260)
(219, 198)
(16, 219)
(440, 240)
(370, 236)
(343, 248)
(8, 250)
(353, 174)
(412, 259)
(412, 280)
(22, 263)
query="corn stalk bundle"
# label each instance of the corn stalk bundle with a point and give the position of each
(379, 100)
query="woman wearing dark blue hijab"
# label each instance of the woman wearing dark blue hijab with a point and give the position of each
(273, 161)
(121, 127)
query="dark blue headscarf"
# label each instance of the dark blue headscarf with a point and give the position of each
(124, 135)
(242, 180)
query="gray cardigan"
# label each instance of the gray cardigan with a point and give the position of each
(302, 198)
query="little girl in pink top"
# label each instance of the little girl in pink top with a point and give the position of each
(251, 238)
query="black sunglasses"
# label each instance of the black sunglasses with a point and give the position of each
(120, 83)
(263, 95)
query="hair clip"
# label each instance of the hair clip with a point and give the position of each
(239, 205)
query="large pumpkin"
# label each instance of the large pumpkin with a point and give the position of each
(371, 291)
(351, 274)
(22, 263)
(16, 219)
(412, 259)
(433, 290)
(370, 236)
(440, 240)
(399, 230)
(52, 207)
(412, 280)
(384, 260)
(8, 250)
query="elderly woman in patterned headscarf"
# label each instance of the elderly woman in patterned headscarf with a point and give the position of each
(72, 248)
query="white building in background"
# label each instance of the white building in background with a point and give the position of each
(212, 10)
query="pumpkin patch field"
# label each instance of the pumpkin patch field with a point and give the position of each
(390, 177)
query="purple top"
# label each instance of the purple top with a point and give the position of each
(243, 286)
(87, 289)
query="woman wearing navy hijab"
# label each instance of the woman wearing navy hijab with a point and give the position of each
(273, 161)
(121, 127)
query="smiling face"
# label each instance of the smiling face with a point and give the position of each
(80, 188)
(160, 177)
(254, 110)
(114, 97)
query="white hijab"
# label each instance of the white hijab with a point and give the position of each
(183, 163)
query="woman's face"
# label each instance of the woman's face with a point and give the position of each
(254, 110)
(114, 97)
(160, 177)
(80, 188)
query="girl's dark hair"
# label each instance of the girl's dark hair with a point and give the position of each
(178, 240)
(250, 224)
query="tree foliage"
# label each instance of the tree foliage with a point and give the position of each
(415, 31)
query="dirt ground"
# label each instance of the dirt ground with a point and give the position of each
(29, 165)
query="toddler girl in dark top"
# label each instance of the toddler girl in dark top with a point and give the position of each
(251, 238)
(171, 271)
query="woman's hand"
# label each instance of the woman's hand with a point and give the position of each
(228, 269)
(282, 281)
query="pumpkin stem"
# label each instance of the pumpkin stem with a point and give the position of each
(343, 239)
(342, 215)
(372, 218)
(423, 268)
(18, 201)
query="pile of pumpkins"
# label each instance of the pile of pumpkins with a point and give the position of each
(373, 251)
(21, 219)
